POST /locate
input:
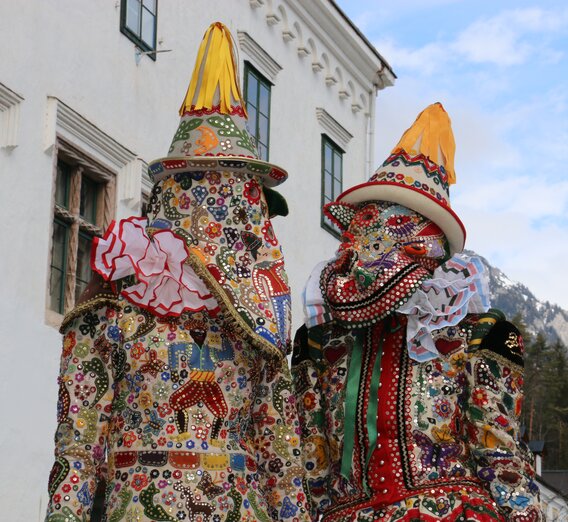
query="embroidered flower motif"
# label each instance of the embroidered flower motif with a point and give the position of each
(164, 410)
(442, 505)
(166, 284)
(252, 192)
(256, 217)
(458, 361)
(214, 230)
(214, 178)
(479, 397)
(161, 390)
(443, 408)
(225, 145)
(129, 438)
(139, 481)
(225, 191)
(275, 465)
(82, 391)
(240, 215)
(184, 201)
(137, 350)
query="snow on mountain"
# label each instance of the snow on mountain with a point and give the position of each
(513, 298)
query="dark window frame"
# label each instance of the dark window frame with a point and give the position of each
(58, 221)
(78, 168)
(262, 81)
(137, 37)
(326, 141)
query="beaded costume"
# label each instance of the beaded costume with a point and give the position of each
(409, 387)
(174, 383)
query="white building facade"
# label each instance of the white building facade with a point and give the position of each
(554, 505)
(85, 104)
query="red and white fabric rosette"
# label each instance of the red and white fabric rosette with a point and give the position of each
(166, 285)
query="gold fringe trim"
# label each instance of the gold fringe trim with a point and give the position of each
(429, 135)
(98, 301)
(240, 327)
(500, 359)
(215, 68)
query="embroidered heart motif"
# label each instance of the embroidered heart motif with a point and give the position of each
(445, 346)
(199, 193)
(334, 353)
(219, 213)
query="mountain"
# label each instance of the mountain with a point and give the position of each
(513, 298)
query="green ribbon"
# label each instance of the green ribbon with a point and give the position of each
(373, 408)
(351, 394)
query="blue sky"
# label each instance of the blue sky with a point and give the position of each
(500, 68)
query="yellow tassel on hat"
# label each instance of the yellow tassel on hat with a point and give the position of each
(215, 68)
(431, 135)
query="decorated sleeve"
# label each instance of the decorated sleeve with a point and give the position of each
(275, 432)
(495, 373)
(84, 406)
(306, 366)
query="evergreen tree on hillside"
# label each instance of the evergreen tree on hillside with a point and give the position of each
(557, 377)
(545, 411)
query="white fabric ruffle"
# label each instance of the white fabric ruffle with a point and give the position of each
(166, 284)
(458, 287)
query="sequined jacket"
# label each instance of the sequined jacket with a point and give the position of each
(387, 438)
(194, 422)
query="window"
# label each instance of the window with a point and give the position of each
(331, 178)
(82, 209)
(257, 95)
(138, 21)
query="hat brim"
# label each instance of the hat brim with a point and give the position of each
(270, 175)
(414, 199)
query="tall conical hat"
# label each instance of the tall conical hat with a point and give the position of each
(212, 133)
(417, 174)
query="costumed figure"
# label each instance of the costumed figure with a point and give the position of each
(409, 387)
(174, 367)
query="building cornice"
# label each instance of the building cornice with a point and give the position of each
(62, 122)
(328, 43)
(333, 128)
(337, 32)
(9, 117)
(261, 59)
